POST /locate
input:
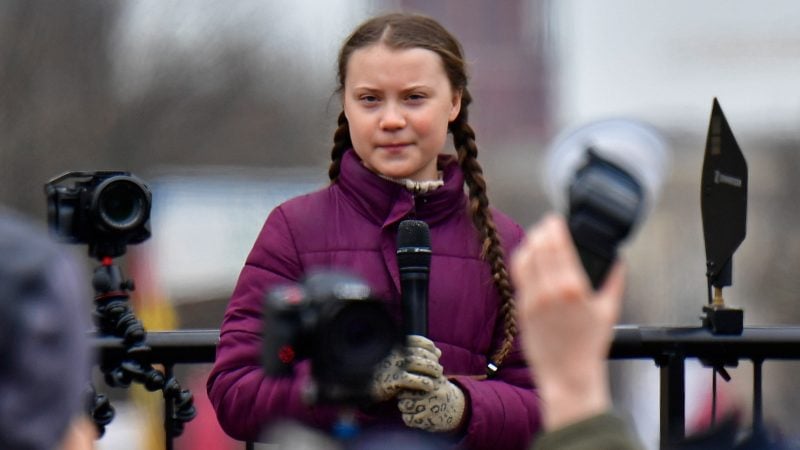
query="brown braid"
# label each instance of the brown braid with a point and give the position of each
(341, 142)
(491, 248)
(403, 31)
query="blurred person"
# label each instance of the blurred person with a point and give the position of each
(44, 370)
(403, 85)
(566, 330)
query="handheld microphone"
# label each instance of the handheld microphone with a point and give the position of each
(414, 262)
(605, 176)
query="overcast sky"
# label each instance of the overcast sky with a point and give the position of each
(308, 31)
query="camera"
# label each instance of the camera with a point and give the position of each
(107, 210)
(332, 319)
(605, 176)
(604, 204)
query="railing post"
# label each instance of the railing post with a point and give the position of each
(673, 398)
(169, 423)
(758, 411)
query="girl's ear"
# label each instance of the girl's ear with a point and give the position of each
(455, 108)
(341, 101)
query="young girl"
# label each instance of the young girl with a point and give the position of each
(402, 83)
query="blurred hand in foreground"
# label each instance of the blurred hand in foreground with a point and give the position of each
(566, 328)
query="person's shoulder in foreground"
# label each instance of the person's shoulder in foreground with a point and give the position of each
(599, 432)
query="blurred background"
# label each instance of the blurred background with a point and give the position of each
(227, 108)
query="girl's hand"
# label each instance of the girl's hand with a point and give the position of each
(437, 404)
(439, 409)
(411, 367)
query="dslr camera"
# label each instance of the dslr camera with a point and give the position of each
(332, 319)
(107, 210)
(604, 204)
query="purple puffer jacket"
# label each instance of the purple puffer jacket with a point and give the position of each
(352, 225)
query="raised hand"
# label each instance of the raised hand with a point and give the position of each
(566, 327)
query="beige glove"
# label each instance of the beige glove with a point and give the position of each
(439, 406)
(411, 367)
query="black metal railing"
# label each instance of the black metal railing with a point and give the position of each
(168, 348)
(668, 347)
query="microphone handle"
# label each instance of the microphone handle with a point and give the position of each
(414, 288)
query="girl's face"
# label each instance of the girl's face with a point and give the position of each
(398, 104)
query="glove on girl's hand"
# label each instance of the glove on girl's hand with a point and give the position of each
(439, 405)
(410, 367)
(440, 409)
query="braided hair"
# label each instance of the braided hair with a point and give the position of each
(406, 31)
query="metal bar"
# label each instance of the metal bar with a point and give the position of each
(673, 399)
(758, 411)
(166, 347)
(632, 342)
(169, 423)
(713, 396)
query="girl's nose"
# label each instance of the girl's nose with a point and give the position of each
(392, 118)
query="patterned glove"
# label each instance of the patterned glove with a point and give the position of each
(439, 406)
(411, 367)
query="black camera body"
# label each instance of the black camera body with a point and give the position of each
(107, 210)
(605, 202)
(332, 319)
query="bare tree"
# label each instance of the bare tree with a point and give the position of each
(60, 109)
(53, 71)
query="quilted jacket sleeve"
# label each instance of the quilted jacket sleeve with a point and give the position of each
(504, 411)
(244, 398)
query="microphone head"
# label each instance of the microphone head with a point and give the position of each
(413, 244)
(634, 146)
(413, 233)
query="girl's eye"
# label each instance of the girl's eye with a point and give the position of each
(368, 99)
(416, 97)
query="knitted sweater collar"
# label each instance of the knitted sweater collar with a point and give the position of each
(386, 202)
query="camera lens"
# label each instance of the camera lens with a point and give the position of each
(122, 205)
(360, 335)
